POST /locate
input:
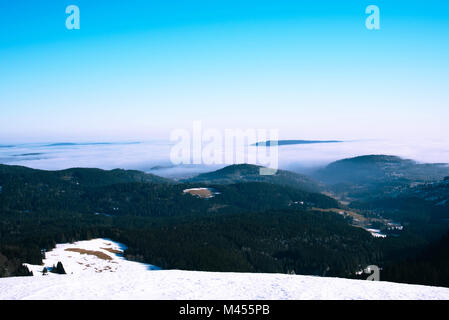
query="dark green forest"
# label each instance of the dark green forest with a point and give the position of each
(275, 241)
(247, 227)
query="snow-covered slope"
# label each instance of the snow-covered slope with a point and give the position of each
(93, 277)
(90, 257)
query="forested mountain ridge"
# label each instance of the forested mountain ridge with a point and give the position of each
(90, 177)
(372, 168)
(373, 176)
(120, 192)
(422, 202)
(251, 173)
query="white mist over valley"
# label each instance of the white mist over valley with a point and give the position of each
(154, 156)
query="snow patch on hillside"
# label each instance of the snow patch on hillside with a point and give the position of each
(93, 256)
(132, 280)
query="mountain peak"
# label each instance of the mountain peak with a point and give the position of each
(251, 173)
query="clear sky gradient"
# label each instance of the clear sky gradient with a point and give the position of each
(139, 69)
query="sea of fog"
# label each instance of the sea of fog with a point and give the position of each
(154, 156)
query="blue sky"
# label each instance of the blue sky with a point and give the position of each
(139, 69)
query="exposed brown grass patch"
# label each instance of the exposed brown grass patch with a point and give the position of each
(200, 192)
(98, 254)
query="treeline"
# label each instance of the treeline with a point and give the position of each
(277, 241)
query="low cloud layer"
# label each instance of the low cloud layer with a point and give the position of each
(155, 156)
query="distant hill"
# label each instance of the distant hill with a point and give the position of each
(128, 192)
(79, 176)
(292, 142)
(251, 173)
(370, 175)
(436, 192)
(98, 177)
(370, 168)
(68, 144)
(423, 202)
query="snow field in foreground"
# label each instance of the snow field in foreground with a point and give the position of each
(90, 277)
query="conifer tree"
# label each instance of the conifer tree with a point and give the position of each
(60, 268)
